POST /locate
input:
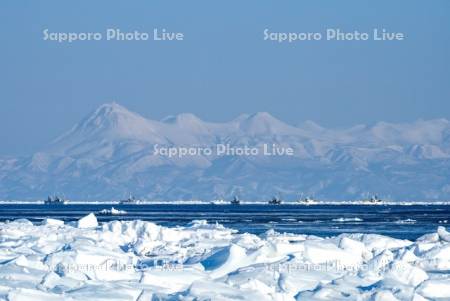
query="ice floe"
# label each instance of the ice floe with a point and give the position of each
(89, 221)
(406, 221)
(112, 211)
(139, 260)
(347, 219)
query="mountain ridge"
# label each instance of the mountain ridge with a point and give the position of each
(110, 152)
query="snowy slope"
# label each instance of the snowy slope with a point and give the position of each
(111, 153)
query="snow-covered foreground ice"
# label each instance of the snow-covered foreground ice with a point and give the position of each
(138, 260)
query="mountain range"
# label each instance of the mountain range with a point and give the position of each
(110, 154)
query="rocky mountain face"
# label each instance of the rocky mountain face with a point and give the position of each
(111, 153)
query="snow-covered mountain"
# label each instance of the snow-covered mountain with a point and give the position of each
(111, 153)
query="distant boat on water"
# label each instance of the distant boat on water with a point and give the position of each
(275, 201)
(235, 201)
(55, 200)
(373, 200)
(131, 200)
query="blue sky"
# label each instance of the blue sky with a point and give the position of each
(223, 67)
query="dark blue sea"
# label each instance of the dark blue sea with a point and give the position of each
(407, 222)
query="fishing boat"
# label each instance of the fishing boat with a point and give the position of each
(55, 200)
(235, 201)
(131, 200)
(373, 200)
(275, 201)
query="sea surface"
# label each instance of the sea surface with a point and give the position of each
(407, 222)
